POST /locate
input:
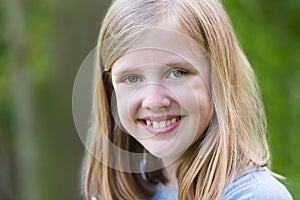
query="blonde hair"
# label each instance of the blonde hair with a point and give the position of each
(236, 136)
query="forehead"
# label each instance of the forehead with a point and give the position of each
(168, 40)
(147, 56)
(163, 46)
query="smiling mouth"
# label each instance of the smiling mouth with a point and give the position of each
(162, 124)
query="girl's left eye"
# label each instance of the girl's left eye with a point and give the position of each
(177, 73)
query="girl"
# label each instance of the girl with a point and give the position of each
(177, 110)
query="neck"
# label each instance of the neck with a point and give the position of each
(170, 172)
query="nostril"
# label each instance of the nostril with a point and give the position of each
(155, 97)
(156, 103)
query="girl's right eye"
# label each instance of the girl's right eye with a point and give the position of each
(131, 79)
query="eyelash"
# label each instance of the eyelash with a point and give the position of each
(126, 79)
(170, 75)
(183, 73)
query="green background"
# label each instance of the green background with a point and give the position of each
(44, 42)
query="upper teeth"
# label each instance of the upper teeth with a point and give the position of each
(161, 124)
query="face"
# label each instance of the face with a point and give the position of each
(162, 93)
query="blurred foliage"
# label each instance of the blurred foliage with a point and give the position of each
(269, 33)
(42, 62)
(42, 45)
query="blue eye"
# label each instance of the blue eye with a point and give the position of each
(131, 79)
(177, 73)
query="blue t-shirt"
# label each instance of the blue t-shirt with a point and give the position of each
(257, 184)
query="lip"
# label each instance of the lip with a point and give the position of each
(161, 131)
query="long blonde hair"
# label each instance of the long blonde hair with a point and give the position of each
(236, 135)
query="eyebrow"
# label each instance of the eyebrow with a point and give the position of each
(179, 64)
(184, 65)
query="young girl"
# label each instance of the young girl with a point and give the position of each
(177, 110)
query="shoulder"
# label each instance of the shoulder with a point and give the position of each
(163, 192)
(256, 184)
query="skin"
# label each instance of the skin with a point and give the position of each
(159, 84)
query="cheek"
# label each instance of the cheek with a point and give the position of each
(198, 102)
(205, 110)
(193, 96)
(125, 107)
(122, 104)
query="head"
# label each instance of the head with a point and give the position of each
(219, 122)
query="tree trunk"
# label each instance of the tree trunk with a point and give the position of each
(21, 96)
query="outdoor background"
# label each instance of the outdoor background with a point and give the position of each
(42, 45)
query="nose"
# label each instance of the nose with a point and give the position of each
(155, 97)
